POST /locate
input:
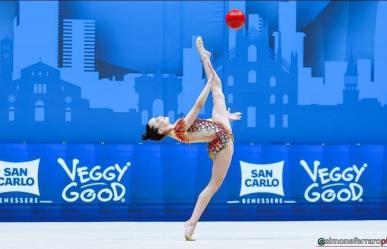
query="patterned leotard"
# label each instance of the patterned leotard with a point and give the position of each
(216, 134)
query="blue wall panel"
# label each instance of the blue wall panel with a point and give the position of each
(162, 182)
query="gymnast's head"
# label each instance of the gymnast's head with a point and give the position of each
(156, 129)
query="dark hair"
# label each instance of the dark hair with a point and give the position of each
(152, 134)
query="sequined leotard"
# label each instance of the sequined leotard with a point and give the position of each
(216, 134)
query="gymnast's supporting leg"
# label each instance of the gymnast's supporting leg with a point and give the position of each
(220, 167)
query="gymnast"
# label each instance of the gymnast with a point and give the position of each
(216, 132)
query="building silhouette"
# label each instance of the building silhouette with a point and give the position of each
(261, 84)
(78, 39)
(35, 34)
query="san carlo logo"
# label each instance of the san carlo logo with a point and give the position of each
(19, 182)
(88, 184)
(335, 184)
(262, 184)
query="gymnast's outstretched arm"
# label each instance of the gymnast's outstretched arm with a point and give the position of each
(199, 103)
(232, 116)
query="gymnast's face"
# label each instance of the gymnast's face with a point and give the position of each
(160, 122)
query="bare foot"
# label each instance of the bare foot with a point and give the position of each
(189, 230)
(204, 54)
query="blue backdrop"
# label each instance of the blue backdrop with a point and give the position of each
(92, 71)
(80, 79)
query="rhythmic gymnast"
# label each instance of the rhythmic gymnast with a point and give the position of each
(190, 129)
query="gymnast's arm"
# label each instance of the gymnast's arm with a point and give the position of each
(231, 116)
(199, 103)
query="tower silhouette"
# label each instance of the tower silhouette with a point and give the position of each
(79, 44)
(6, 60)
(351, 91)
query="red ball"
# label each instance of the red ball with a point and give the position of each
(235, 19)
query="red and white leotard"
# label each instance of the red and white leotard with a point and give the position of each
(216, 134)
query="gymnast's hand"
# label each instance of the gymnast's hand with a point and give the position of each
(234, 116)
